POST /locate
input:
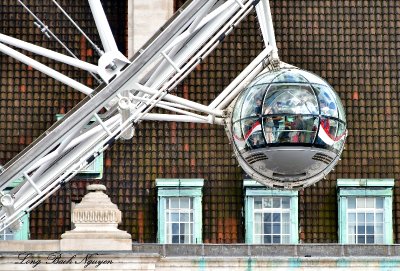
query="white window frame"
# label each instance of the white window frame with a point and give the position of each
(360, 189)
(254, 190)
(179, 188)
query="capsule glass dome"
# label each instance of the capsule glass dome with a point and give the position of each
(288, 127)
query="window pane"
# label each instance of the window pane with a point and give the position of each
(175, 228)
(267, 202)
(352, 218)
(370, 202)
(267, 239)
(185, 217)
(285, 228)
(379, 239)
(360, 202)
(182, 228)
(267, 228)
(361, 229)
(175, 239)
(286, 202)
(379, 217)
(352, 228)
(257, 203)
(174, 203)
(360, 239)
(258, 239)
(267, 217)
(370, 229)
(370, 218)
(257, 228)
(276, 239)
(276, 203)
(370, 239)
(360, 218)
(184, 203)
(285, 239)
(379, 203)
(276, 228)
(276, 218)
(286, 217)
(351, 203)
(351, 239)
(257, 218)
(175, 217)
(379, 229)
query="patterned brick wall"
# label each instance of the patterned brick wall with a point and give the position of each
(352, 44)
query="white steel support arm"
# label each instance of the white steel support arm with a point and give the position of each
(263, 10)
(230, 92)
(182, 101)
(180, 118)
(48, 53)
(145, 83)
(103, 27)
(44, 69)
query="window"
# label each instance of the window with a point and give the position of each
(23, 232)
(271, 215)
(179, 211)
(365, 211)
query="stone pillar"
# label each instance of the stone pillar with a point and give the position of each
(96, 220)
(144, 19)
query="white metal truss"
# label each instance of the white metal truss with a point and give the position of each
(129, 92)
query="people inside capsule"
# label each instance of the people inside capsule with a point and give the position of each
(268, 126)
(288, 110)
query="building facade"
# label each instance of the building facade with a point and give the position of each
(179, 182)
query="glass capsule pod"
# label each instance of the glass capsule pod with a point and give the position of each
(288, 128)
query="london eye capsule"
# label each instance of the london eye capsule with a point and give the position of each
(288, 128)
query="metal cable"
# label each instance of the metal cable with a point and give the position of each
(49, 33)
(95, 47)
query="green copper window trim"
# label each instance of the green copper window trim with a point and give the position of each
(365, 182)
(365, 188)
(23, 232)
(180, 188)
(255, 189)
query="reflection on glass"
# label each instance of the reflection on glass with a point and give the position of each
(327, 101)
(257, 203)
(276, 202)
(286, 203)
(285, 228)
(290, 99)
(276, 239)
(267, 228)
(351, 203)
(379, 203)
(174, 203)
(252, 105)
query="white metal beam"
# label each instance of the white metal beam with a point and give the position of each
(48, 53)
(103, 27)
(44, 69)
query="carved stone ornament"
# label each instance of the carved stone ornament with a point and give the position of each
(96, 217)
